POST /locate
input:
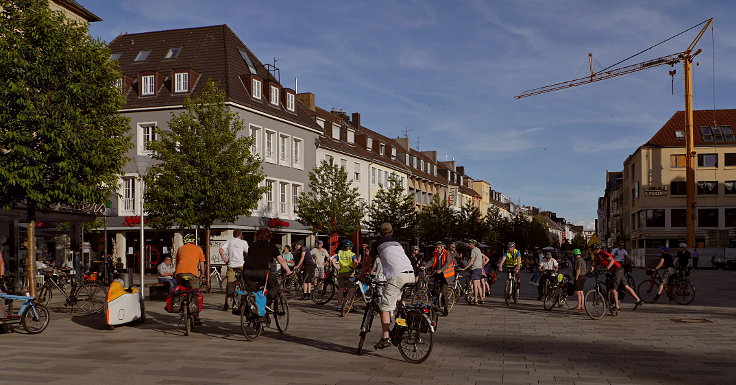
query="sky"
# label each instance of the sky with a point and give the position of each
(448, 71)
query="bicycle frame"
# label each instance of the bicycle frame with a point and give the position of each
(72, 289)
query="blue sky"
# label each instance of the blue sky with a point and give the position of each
(448, 71)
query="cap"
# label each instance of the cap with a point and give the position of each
(386, 228)
(415, 247)
(320, 242)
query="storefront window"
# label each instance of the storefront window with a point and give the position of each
(707, 217)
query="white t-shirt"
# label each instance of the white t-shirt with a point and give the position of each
(541, 258)
(619, 255)
(234, 248)
(319, 256)
(393, 258)
(549, 264)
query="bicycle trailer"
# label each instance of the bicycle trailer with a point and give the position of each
(123, 305)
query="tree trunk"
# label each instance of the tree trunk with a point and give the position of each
(207, 258)
(31, 249)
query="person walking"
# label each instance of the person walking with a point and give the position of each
(233, 253)
(696, 259)
(578, 274)
(621, 256)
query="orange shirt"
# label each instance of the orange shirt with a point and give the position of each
(188, 258)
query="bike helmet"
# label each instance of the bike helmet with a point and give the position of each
(347, 243)
(576, 252)
(683, 245)
(473, 241)
(415, 247)
(665, 249)
(189, 238)
(595, 246)
(511, 244)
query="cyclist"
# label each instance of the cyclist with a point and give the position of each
(416, 260)
(512, 260)
(398, 271)
(233, 253)
(683, 260)
(547, 268)
(256, 267)
(606, 262)
(667, 263)
(344, 262)
(189, 266)
(443, 266)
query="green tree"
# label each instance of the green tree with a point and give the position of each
(437, 222)
(578, 242)
(496, 225)
(470, 224)
(332, 206)
(61, 137)
(205, 171)
(393, 205)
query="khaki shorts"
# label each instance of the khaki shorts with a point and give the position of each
(231, 273)
(187, 280)
(392, 291)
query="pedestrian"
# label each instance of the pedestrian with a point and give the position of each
(696, 259)
(537, 273)
(683, 260)
(233, 253)
(578, 273)
(320, 255)
(476, 262)
(621, 256)
(166, 273)
(306, 263)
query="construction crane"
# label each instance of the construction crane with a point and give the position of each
(686, 58)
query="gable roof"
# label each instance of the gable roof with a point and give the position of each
(78, 9)
(665, 137)
(213, 53)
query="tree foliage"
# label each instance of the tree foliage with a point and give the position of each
(437, 222)
(205, 171)
(393, 205)
(61, 137)
(332, 205)
(470, 224)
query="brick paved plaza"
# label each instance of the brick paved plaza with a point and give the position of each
(486, 344)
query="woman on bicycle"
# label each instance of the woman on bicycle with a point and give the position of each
(667, 263)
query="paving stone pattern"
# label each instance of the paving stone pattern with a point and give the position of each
(486, 344)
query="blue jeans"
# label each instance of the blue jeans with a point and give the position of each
(170, 280)
(536, 276)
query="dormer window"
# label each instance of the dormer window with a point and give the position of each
(351, 136)
(173, 53)
(148, 85)
(421, 164)
(393, 153)
(274, 96)
(335, 131)
(257, 88)
(414, 161)
(142, 55)
(115, 56)
(181, 82)
(290, 101)
(679, 134)
(369, 144)
(381, 149)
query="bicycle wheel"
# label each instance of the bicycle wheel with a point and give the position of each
(91, 297)
(323, 291)
(507, 292)
(468, 291)
(44, 295)
(187, 321)
(281, 313)
(450, 298)
(416, 346)
(550, 300)
(647, 290)
(595, 304)
(35, 319)
(684, 292)
(251, 328)
(443, 303)
(359, 351)
(349, 302)
(516, 292)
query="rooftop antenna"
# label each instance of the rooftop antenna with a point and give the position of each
(406, 131)
(419, 141)
(296, 85)
(273, 70)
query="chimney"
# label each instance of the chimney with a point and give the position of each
(356, 119)
(461, 170)
(403, 142)
(308, 99)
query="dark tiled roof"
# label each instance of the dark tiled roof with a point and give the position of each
(78, 9)
(212, 53)
(665, 137)
(420, 173)
(470, 191)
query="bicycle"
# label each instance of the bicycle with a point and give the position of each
(511, 287)
(32, 316)
(89, 296)
(430, 290)
(324, 287)
(412, 329)
(360, 292)
(216, 273)
(464, 290)
(681, 288)
(187, 306)
(599, 298)
(292, 285)
(556, 293)
(251, 320)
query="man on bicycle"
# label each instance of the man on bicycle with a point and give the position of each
(683, 260)
(398, 271)
(189, 266)
(512, 260)
(606, 262)
(344, 262)
(443, 266)
(233, 253)
(258, 264)
(667, 264)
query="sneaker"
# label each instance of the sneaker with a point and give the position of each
(533, 283)
(339, 308)
(615, 309)
(638, 304)
(656, 297)
(225, 307)
(382, 344)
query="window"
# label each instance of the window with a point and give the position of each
(142, 55)
(284, 198)
(373, 175)
(269, 195)
(634, 222)
(678, 218)
(729, 159)
(417, 196)
(351, 136)
(115, 56)
(269, 152)
(678, 188)
(173, 53)
(729, 187)
(707, 160)
(654, 218)
(128, 204)
(321, 122)
(393, 152)
(381, 148)
(677, 161)
(247, 61)
(679, 134)
(328, 158)
(369, 144)
(181, 83)
(380, 178)
(335, 131)
(728, 133)
(421, 164)
(707, 136)
(146, 135)
(255, 134)
(730, 217)
(290, 101)
(717, 134)
(344, 164)
(274, 96)
(385, 177)
(707, 188)
(707, 217)
(414, 161)
(297, 152)
(356, 171)
(257, 88)
(284, 151)
(148, 84)
(296, 190)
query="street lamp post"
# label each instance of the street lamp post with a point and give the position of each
(141, 164)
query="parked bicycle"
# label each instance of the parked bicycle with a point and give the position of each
(599, 298)
(32, 316)
(430, 291)
(324, 288)
(412, 329)
(462, 290)
(254, 313)
(89, 296)
(681, 289)
(556, 294)
(217, 275)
